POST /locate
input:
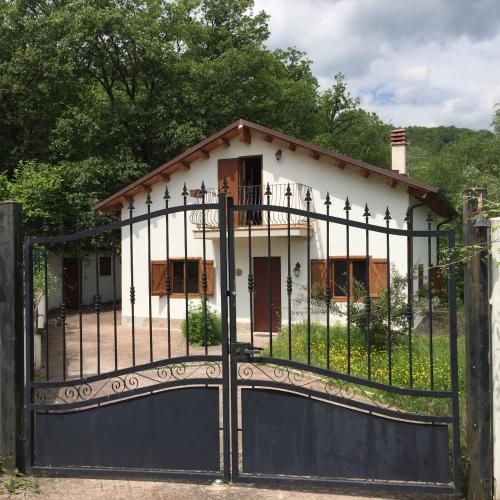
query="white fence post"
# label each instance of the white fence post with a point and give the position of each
(495, 362)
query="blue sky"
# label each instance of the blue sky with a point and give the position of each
(414, 62)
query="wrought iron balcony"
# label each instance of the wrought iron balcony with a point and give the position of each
(255, 195)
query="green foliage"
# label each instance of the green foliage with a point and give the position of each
(16, 482)
(379, 362)
(4, 186)
(197, 325)
(66, 191)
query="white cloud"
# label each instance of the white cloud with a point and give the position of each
(423, 62)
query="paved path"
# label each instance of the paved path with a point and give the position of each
(96, 489)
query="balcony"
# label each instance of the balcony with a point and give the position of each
(257, 219)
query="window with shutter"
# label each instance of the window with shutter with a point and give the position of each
(182, 276)
(343, 281)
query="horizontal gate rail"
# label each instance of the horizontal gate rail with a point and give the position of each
(348, 378)
(132, 369)
(89, 233)
(343, 222)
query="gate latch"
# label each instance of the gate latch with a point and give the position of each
(244, 349)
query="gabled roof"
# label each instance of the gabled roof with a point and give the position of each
(430, 195)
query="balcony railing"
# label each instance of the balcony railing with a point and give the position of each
(255, 195)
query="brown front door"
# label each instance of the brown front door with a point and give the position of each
(262, 304)
(71, 283)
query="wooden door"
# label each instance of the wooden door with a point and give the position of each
(71, 283)
(261, 298)
(229, 169)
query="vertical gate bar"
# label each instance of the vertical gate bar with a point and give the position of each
(225, 341)
(28, 284)
(328, 280)
(204, 282)
(97, 299)
(409, 277)
(387, 219)
(46, 312)
(367, 298)
(429, 296)
(132, 288)
(289, 270)
(113, 279)
(269, 280)
(150, 307)
(63, 306)
(452, 320)
(347, 207)
(168, 288)
(250, 278)
(308, 258)
(232, 339)
(186, 296)
(80, 305)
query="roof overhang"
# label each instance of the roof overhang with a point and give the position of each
(243, 129)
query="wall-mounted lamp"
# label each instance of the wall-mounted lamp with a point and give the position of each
(278, 154)
(296, 270)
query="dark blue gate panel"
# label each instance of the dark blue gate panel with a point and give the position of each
(172, 430)
(289, 434)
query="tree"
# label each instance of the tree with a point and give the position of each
(65, 192)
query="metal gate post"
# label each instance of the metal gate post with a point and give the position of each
(225, 338)
(11, 335)
(477, 347)
(232, 340)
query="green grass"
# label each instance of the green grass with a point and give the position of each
(379, 359)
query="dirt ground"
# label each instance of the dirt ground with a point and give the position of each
(94, 489)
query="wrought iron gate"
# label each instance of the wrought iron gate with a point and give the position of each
(342, 393)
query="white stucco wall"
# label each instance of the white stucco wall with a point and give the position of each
(294, 167)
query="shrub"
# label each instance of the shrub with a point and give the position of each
(379, 307)
(196, 316)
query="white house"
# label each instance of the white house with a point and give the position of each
(249, 156)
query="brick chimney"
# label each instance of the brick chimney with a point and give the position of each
(398, 150)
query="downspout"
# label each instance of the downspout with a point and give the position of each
(438, 227)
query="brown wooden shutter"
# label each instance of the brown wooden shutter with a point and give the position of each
(229, 169)
(210, 278)
(318, 275)
(158, 274)
(437, 279)
(378, 276)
